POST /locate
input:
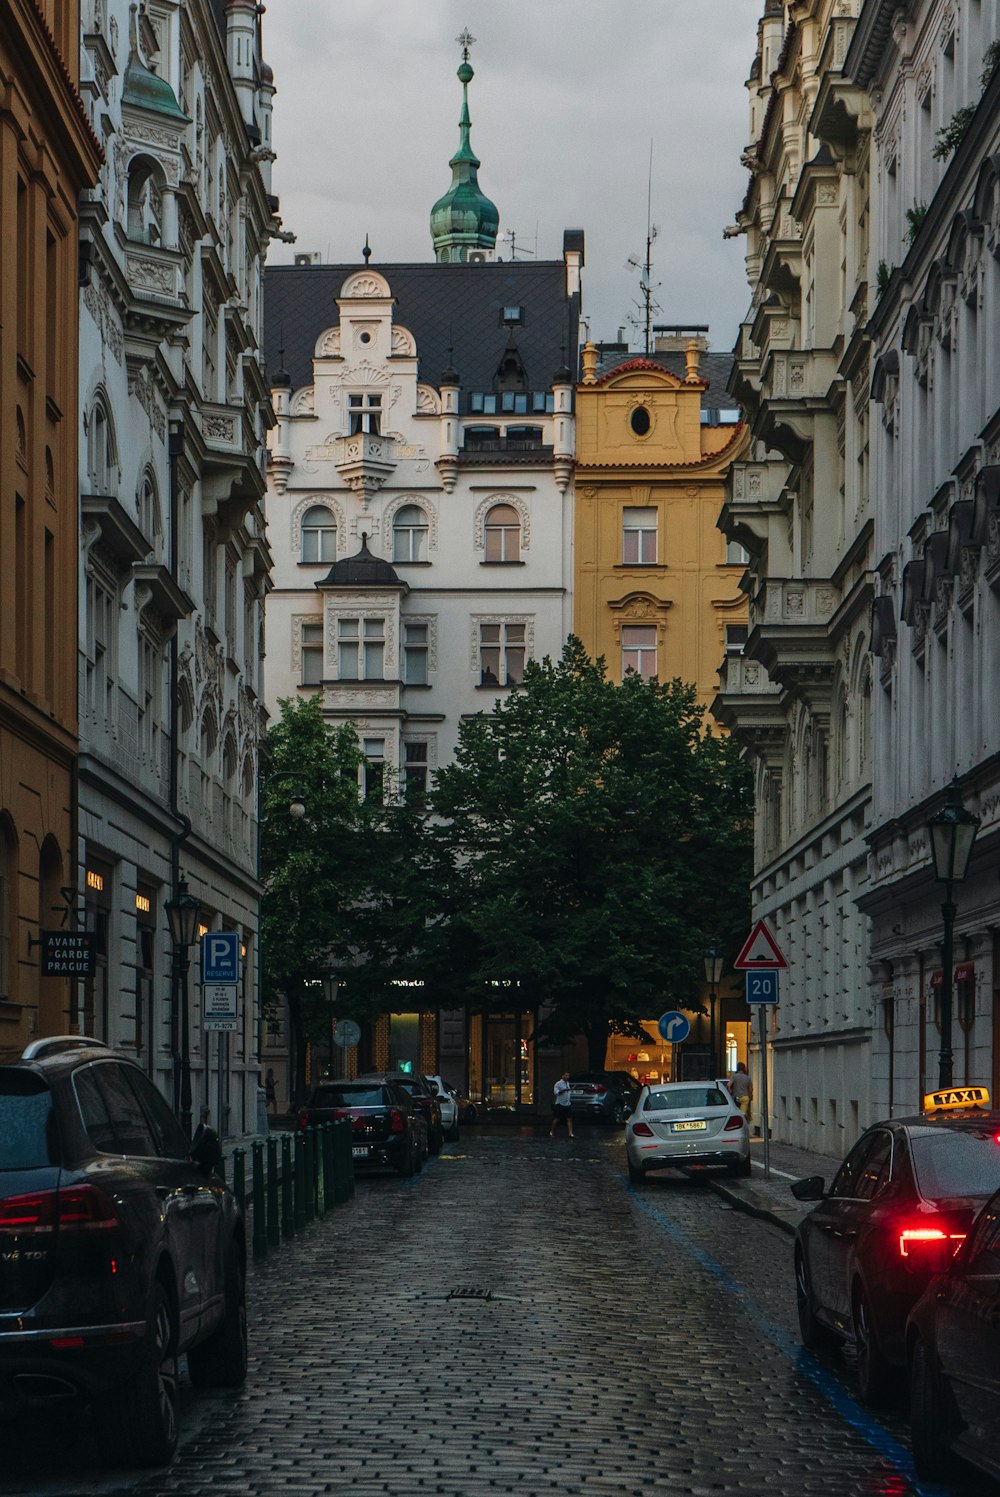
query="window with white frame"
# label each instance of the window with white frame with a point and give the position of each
(736, 638)
(364, 414)
(639, 537)
(150, 689)
(503, 533)
(101, 461)
(373, 769)
(102, 639)
(312, 654)
(736, 555)
(148, 506)
(501, 654)
(409, 534)
(639, 649)
(360, 649)
(415, 769)
(414, 653)
(318, 535)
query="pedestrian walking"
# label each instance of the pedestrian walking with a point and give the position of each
(271, 1091)
(561, 1111)
(741, 1088)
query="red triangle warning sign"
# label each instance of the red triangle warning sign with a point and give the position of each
(760, 949)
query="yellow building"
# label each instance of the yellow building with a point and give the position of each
(655, 587)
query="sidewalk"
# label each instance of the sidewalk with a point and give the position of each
(772, 1198)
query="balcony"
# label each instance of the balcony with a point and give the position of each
(364, 461)
(756, 511)
(790, 623)
(749, 706)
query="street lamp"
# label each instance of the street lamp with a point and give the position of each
(953, 831)
(182, 913)
(713, 976)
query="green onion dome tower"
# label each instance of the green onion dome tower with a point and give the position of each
(464, 220)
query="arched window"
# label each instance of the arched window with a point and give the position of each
(143, 206)
(503, 534)
(319, 535)
(148, 505)
(409, 534)
(101, 455)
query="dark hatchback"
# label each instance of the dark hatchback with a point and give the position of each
(953, 1344)
(603, 1096)
(387, 1132)
(903, 1199)
(118, 1251)
(424, 1095)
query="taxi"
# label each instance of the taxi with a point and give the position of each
(898, 1210)
(953, 1346)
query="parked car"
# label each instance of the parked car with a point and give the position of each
(953, 1350)
(899, 1207)
(426, 1098)
(387, 1132)
(686, 1123)
(119, 1251)
(604, 1096)
(468, 1111)
(448, 1102)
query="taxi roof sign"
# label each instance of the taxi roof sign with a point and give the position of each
(953, 1097)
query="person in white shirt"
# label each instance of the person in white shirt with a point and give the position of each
(561, 1110)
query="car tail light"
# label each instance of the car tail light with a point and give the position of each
(733, 1122)
(358, 1123)
(397, 1123)
(642, 1129)
(78, 1208)
(929, 1247)
(600, 1090)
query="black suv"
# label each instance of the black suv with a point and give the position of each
(118, 1250)
(605, 1096)
(386, 1130)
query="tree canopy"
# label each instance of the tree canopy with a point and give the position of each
(592, 841)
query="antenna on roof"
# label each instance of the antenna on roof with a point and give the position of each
(511, 236)
(648, 305)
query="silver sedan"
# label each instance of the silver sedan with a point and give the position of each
(686, 1124)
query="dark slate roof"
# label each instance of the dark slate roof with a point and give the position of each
(442, 306)
(363, 569)
(715, 367)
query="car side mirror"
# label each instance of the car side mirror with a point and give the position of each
(809, 1189)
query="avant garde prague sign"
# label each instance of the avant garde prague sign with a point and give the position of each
(67, 953)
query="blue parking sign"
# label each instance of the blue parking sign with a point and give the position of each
(762, 986)
(220, 956)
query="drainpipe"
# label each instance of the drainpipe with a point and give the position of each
(175, 449)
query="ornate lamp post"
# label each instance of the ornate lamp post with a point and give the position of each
(713, 976)
(953, 831)
(183, 911)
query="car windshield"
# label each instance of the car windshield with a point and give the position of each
(25, 1111)
(347, 1096)
(685, 1098)
(949, 1162)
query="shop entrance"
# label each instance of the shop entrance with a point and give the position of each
(502, 1062)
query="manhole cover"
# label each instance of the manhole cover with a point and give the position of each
(471, 1291)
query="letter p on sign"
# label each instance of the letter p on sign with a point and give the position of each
(220, 956)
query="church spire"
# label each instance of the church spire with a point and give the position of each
(464, 219)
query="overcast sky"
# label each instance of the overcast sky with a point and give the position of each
(567, 97)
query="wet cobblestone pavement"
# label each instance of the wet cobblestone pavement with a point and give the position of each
(636, 1342)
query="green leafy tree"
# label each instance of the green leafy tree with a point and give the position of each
(338, 881)
(591, 841)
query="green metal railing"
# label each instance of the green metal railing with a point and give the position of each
(293, 1181)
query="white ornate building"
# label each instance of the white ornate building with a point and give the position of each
(929, 68)
(799, 697)
(174, 561)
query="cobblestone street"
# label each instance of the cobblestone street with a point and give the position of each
(635, 1342)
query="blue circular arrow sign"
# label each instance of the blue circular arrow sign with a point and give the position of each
(674, 1026)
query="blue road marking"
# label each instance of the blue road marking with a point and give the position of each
(802, 1360)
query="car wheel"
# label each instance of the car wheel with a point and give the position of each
(435, 1141)
(740, 1167)
(876, 1379)
(812, 1333)
(636, 1177)
(620, 1113)
(927, 1426)
(472, 1115)
(409, 1163)
(221, 1360)
(143, 1417)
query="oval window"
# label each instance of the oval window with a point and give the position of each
(364, 337)
(639, 421)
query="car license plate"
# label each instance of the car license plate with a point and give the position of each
(689, 1127)
(361, 1151)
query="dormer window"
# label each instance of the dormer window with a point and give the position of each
(364, 414)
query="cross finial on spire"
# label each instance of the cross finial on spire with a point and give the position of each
(465, 41)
